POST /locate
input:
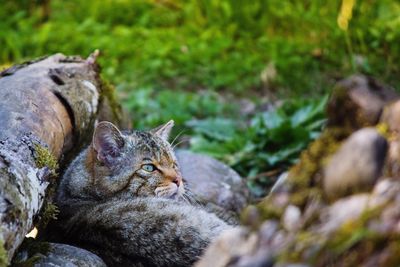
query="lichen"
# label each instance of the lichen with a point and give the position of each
(44, 158)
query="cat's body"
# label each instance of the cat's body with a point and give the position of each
(123, 198)
(144, 231)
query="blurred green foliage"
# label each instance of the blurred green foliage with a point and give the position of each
(191, 60)
(265, 146)
(155, 108)
(213, 44)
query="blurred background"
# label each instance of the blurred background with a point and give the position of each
(245, 81)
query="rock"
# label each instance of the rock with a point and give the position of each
(358, 101)
(280, 183)
(391, 116)
(291, 265)
(342, 211)
(356, 166)
(385, 190)
(271, 238)
(291, 218)
(385, 195)
(229, 245)
(213, 181)
(240, 247)
(390, 122)
(64, 256)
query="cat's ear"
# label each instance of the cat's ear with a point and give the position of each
(164, 130)
(107, 142)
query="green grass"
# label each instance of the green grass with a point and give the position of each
(217, 45)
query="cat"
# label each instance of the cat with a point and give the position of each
(124, 199)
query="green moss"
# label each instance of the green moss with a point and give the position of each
(303, 241)
(44, 158)
(268, 210)
(3, 253)
(302, 197)
(108, 92)
(304, 178)
(50, 212)
(353, 242)
(354, 231)
(349, 246)
(383, 129)
(308, 171)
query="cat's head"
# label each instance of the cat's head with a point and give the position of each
(133, 164)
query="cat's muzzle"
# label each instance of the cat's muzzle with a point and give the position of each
(170, 191)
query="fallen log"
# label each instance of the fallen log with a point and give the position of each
(48, 108)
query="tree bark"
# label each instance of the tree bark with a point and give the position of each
(50, 104)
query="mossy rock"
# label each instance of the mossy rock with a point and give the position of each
(304, 178)
(53, 254)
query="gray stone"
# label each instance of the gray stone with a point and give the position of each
(391, 121)
(280, 183)
(343, 211)
(391, 116)
(356, 166)
(231, 244)
(385, 190)
(291, 218)
(62, 255)
(241, 247)
(358, 101)
(213, 181)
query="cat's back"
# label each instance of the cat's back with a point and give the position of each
(151, 231)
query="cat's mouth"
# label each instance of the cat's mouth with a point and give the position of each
(172, 191)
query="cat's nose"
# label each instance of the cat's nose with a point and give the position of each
(177, 181)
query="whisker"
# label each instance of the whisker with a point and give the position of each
(177, 136)
(183, 140)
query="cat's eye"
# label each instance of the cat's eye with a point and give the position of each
(149, 167)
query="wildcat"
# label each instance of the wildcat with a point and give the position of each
(124, 199)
